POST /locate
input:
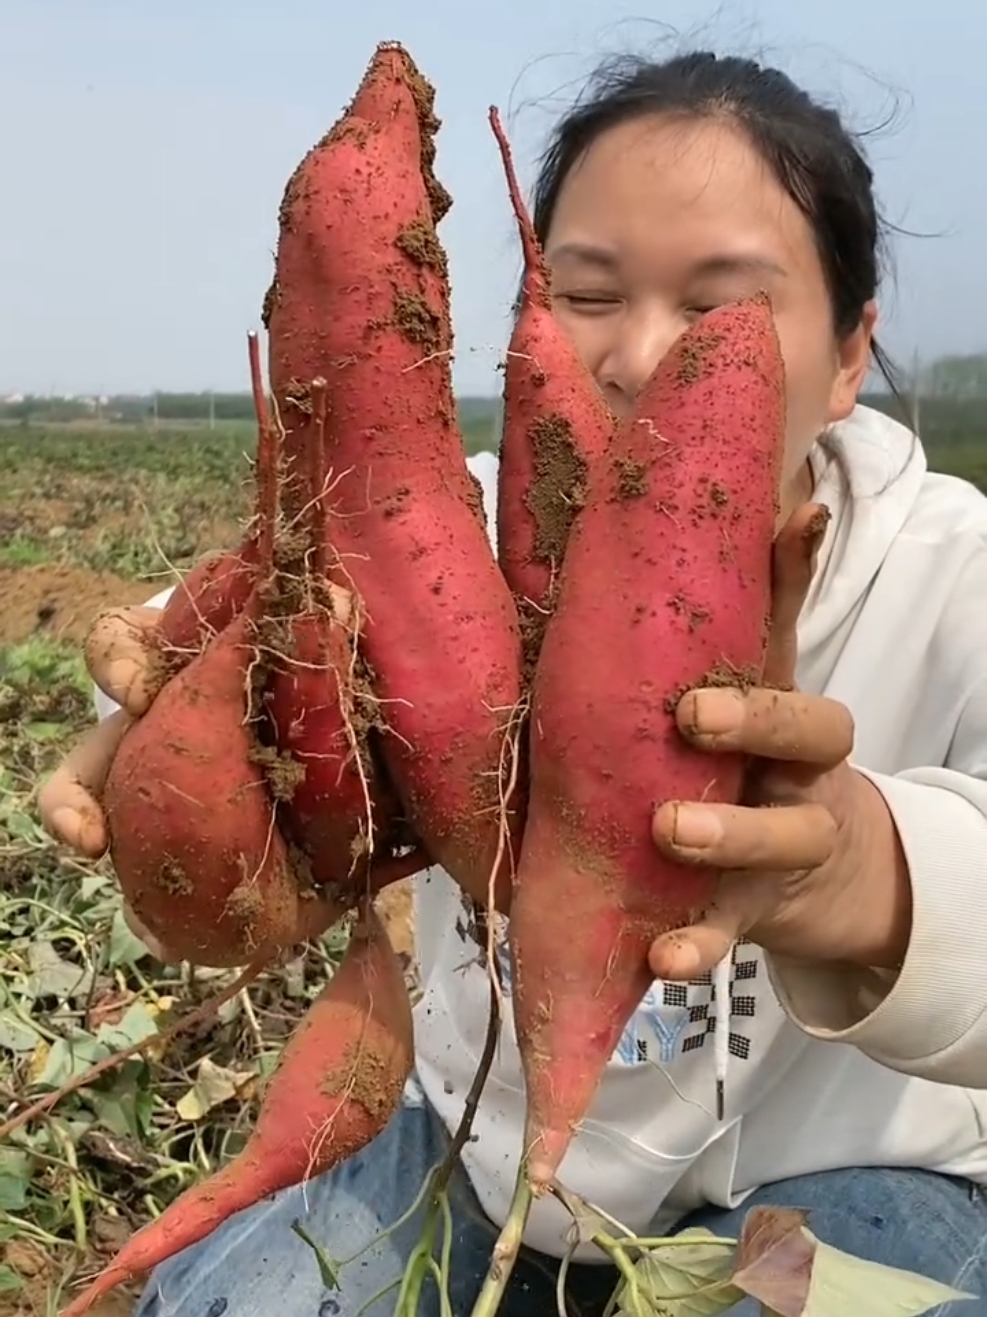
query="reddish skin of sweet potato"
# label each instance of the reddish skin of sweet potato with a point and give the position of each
(556, 425)
(441, 631)
(665, 586)
(330, 810)
(335, 807)
(327, 808)
(206, 600)
(192, 832)
(339, 1081)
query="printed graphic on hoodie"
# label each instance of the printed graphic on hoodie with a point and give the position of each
(675, 1019)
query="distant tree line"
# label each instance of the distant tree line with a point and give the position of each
(952, 407)
(955, 377)
(171, 408)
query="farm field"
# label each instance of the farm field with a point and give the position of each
(91, 517)
(88, 519)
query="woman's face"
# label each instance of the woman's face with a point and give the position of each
(664, 219)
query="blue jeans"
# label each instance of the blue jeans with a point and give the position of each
(255, 1265)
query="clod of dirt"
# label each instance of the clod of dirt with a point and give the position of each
(420, 241)
(558, 490)
(632, 479)
(418, 322)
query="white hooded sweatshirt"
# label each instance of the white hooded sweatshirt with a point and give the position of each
(822, 1067)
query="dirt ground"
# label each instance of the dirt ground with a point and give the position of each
(60, 601)
(35, 1298)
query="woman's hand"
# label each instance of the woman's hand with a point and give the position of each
(811, 864)
(119, 656)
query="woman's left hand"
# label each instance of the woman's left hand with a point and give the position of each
(811, 864)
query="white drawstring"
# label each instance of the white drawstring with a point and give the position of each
(721, 1031)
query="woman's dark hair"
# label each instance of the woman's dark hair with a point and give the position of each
(814, 157)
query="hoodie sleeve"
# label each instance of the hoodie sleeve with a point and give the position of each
(484, 467)
(928, 1018)
(104, 705)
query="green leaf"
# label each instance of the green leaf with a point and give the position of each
(15, 1179)
(328, 1270)
(15, 1034)
(10, 1282)
(144, 1110)
(213, 1086)
(21, 826)
(51, 976)
(115, 1109)
(682, 1280)
(137, 1024)
(124, 947)
(68, 1058)
(43, 731)
(89, 885)
(842, 1284)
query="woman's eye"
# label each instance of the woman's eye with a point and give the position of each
(588, 301)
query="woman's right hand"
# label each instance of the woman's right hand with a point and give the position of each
(120, 658)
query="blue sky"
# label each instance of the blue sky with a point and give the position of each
(145, 145)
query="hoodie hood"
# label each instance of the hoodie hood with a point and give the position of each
(869, 471)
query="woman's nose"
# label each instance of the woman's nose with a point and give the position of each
(641, 340)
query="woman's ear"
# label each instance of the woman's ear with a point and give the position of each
(853, 365)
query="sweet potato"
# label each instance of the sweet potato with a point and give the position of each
(338, 1082)
(204, 601)
(361, 299)
(193, 834)
(241, 820)
(665, 587)
(556, 423)
(338, 809)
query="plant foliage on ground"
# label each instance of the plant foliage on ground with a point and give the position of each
(76, 986)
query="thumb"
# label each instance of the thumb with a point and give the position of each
(688, 953)
(68, 801)
(793, 565)
(122, 658)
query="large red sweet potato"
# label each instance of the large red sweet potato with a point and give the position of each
(666, 586)
(361, 298)
(193, 834)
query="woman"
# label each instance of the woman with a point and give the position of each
(844, 957)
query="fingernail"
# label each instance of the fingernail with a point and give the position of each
(65, 824)
(696, 828)
(719, 711)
